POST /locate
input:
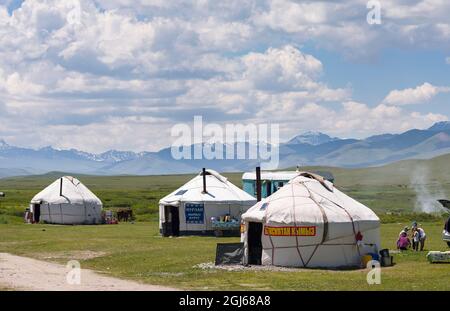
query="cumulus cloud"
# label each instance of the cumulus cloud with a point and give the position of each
(356, 120)
(118, 71)
(420, 94)
(282, 69)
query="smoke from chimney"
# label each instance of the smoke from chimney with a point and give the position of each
(427, 192)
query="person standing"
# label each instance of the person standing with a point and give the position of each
(419, 238)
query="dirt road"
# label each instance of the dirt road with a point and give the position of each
(21, 273)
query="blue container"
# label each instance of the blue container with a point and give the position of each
(375, 256)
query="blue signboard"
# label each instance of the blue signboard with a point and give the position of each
(195, 213)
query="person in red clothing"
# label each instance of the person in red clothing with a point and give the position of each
(403, 242)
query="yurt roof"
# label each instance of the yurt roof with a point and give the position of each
(218, 189)
(72, 191)
(305, 199)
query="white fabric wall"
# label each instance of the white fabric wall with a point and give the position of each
(334, 253)
(337, 218)
(211, 209)
(75, 204)
(161, 216)
(76, 214)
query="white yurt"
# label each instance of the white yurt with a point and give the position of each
(309, 223)
(190, 209)
(66, 201)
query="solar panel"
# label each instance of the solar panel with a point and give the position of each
(181, 192)
(264, 206)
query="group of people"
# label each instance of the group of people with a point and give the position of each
(417, 240)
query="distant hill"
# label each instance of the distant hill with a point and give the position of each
(5, 172)
(311, 148)
(387, 188)
(437, 170)
(440, 126)
(312, 138)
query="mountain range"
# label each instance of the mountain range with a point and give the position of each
(310, 148)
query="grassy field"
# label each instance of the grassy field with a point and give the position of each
(140, 193)
(388, 190)
(136, 251)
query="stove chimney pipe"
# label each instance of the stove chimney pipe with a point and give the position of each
(204, 180)
(258, 183)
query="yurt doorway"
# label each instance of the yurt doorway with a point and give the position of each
(172, 224)
(254, 243)
(37, 212)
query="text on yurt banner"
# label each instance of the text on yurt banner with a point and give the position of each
(290, 231)
(194, 213)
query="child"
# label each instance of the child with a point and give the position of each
(405, 230)
(415, 239)
(403, 242)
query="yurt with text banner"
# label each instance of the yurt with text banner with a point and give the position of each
(66, 201)
(309, 223)
(207, 204)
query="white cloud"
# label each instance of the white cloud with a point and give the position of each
(350, 120)
(447, 60)
(358, 120)
(133, 67)
(217, 35)
(294, 17)
(418, 95)
(15, 84)
(282, 69)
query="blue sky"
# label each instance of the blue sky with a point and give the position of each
(372, 79)
(11, 5)
(122, 73)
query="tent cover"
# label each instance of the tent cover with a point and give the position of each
(310, 223)
(67, 201)
(221, 197)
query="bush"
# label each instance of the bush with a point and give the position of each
(396, 217)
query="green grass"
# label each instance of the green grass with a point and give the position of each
(141, 193)
(387, 190)
(391, 201)
(137, 252)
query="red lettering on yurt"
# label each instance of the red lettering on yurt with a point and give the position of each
(290, 231)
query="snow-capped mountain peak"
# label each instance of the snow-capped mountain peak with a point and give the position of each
(312, 138)
(117, 156)
(4, 145)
